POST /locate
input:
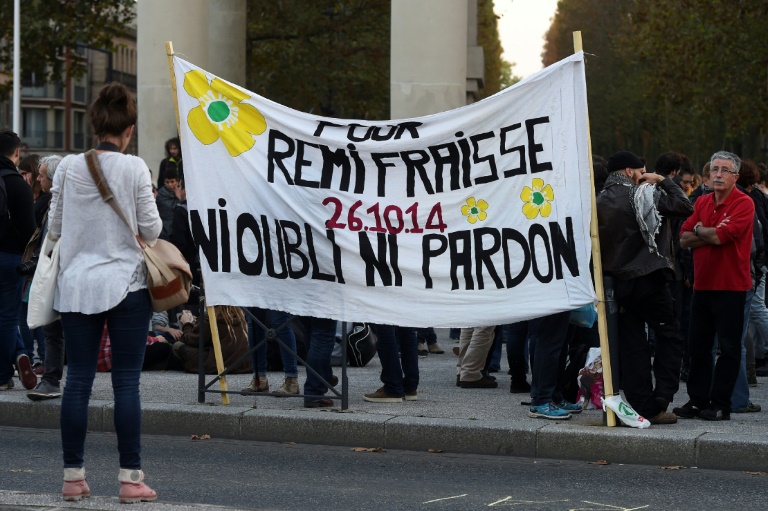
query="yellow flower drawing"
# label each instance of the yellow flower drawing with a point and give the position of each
(474, 210)
(537, 199)
(222, 115)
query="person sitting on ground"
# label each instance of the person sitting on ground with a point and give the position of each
(160, 326)
(167, 201)
(233, 337)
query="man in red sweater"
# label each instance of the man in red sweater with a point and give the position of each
(720, 234)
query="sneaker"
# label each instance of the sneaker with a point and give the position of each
(664, 418)
(714, 414)
(422, 349)
(548, 411)
(289, 386)
(258, 384)
(436, 349)
(26, 374)
(44, 390)
(750, 408)
(519, 387)
(7, 385)
(382, 396)
(132, 487)
(411, 395)
(569, 407)
(75, 487)
(483, 383)
(38, 369)
(687, 411)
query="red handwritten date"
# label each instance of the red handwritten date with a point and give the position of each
(391, 219)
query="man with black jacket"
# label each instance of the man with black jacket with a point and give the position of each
(635, 240)
(17, 224)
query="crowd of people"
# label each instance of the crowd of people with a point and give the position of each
(683, 253)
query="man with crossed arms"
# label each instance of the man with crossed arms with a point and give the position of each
(720, 234)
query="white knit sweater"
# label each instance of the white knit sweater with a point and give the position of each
(99, 256)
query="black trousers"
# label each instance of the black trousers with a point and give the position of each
(713, 313)
(642, 300)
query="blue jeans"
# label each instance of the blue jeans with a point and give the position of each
(127, 324)
(10, 308)
(259, 357)
(758, 320)
(740, 396)
(399, 356)
(321, 333)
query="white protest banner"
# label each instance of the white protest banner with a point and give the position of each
(476, 216)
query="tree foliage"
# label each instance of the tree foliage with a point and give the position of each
(665, 75)
(51, 29)
(321, 56)
(331, 57)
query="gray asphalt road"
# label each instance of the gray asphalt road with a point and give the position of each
(258, 475)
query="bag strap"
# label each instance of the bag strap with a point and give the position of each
(158, 266)
(106, 192)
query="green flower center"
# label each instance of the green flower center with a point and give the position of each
(474, 211)
(538, 198)
(218, 111)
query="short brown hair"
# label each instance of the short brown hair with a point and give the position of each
(113, 110)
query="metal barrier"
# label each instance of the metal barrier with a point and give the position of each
(269, 334)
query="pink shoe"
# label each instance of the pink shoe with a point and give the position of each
(132, 487)
(75, 487)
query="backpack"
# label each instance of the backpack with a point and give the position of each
(361, 346)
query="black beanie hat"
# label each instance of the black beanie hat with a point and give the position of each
(624, 160)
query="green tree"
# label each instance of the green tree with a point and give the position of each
(618, 116)
(322, 56)
(52, 29)
(710, 69)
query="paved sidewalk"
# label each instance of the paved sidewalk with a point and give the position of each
(445, 417)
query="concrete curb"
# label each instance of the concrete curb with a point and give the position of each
(528, 438)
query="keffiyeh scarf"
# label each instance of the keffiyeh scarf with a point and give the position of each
(644, 199)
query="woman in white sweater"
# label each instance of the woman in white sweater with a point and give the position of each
(102, 278)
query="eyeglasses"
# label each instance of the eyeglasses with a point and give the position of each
(714, 172)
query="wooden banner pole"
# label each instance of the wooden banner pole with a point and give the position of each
(215, 340)
(597, 265)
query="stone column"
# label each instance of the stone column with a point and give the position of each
(428, 57)
(185, 23)
(226, 40)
